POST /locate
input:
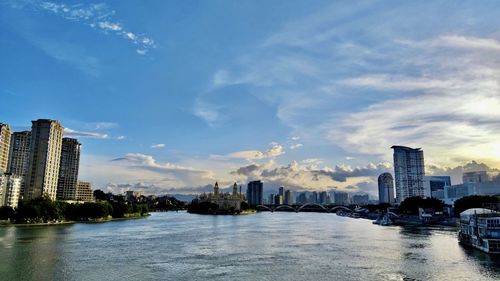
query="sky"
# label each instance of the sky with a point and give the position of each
(171, 96)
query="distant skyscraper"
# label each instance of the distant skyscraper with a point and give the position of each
(271, 199)
(68, 169)
(409, 172)
(4, 147)
(19, 155)
(385, 188)
(255, 193)
(289, 197)
(302, 198)
(324, 198)
(360, 199)
(45, 157)
(281, 191)
(278, 200)
(341, 198)
(313, 197)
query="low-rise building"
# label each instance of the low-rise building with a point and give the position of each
(84, 191)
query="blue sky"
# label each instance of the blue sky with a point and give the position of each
(169, 96)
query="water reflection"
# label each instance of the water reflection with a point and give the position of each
(35, 254)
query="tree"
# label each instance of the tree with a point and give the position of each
(475, 201)
(100, 195)
(6, 213)
(411, 204)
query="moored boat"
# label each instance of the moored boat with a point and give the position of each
(480, 228)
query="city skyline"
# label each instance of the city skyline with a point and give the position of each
(319, 107)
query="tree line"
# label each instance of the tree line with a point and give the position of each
(44, 210)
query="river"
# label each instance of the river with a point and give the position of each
(263, 246)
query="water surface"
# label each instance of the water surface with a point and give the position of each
(265, 246)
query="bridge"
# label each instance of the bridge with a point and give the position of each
(305, 207)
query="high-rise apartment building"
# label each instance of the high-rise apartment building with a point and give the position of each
(386, 188)
(68, 169)
(409, 172)
(44, 160)
(254, 193)
(19, 155)
(4, 147)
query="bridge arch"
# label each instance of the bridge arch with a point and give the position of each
(265, 207)
(285, 207)
(340, 208)
(312, 204)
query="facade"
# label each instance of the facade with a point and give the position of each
(84, 192)
(68, 169)
(19, 155)
(360, 199)
(324, 198)
(45, 156)
(10, 187)
(278, 200)
(341, 198)
(434, 186)
(270, 199)
(281, 191)
(225, 201)
(409, 172)
(475, 177)
(4, 147)
(386, 188)
(255, 193)
(289, 198)
(313, 197)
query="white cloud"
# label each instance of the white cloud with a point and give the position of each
(297, 145)
(158, 145)
(311, 177)
(275, 150)
(98, 16)
(81, 134)
(106, 25)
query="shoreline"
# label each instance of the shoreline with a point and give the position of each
(100, 220)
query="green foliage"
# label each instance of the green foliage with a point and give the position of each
(411, 204)
(100, 195)
(244, 206)
(6, 213)
(203, 207)
(46, 210)
(382, 207)
(475, 201)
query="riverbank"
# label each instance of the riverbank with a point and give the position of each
(54, 223)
